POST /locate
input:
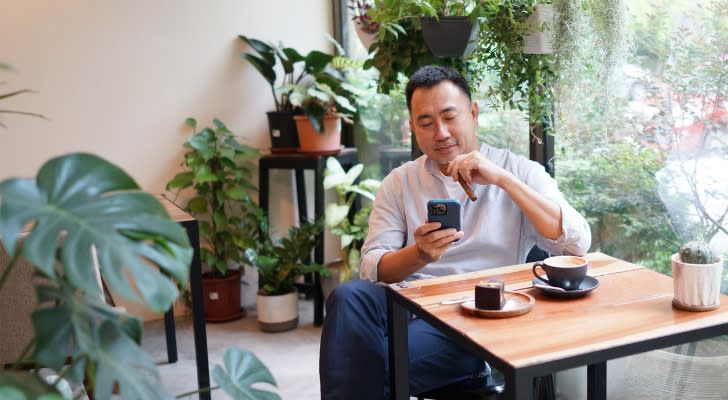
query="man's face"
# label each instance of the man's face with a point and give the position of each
(443, 121)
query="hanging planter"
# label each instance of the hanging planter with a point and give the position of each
(449, 36)
(541, 30)
(366, 38)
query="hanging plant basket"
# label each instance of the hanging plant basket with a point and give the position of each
(366, 38)
(541, 30)
(449, 36)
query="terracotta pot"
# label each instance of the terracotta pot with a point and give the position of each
(222, 298)
(313, 141)
(696, 286)
(277, 313)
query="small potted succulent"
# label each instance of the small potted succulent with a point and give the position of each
(697, 271)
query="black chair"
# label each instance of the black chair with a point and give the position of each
(543, 387)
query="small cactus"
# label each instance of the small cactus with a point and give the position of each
(697, 252)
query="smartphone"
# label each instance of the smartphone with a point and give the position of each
(444, 211)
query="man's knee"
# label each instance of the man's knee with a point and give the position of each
(353, 292)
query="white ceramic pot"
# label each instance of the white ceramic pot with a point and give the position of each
(696, 286)
(541, 29)
(277, 313)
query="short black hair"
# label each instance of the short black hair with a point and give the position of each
(432, 75)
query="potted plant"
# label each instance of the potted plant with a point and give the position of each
(219, 170)
(144, 255)
(325, 102)
(450, 27)
(366, 29)
(697, 271)
(279, 263)
(352, 231)
(266, 58)
(400, 47)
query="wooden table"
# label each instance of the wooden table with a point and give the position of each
(630, 312)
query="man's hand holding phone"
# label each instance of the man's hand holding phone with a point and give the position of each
(441, 230)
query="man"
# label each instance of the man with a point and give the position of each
(518, 206)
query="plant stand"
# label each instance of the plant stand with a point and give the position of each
(299, 163)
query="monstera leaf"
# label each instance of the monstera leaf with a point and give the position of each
(79, 202)
(242, 370)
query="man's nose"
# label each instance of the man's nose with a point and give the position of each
(441, 131)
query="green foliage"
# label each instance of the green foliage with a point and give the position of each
(351, 231)
(242, 370)
(78, 202)
(280, 262)
(381, 116)
(295, 66)
(219, 170)
(614, 187)
(400, 47)
(697, 252)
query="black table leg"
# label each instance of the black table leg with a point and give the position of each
(318, 205)
(198, 310)
(170, 333)
(596, 386)
(398, 350)
(519, 386)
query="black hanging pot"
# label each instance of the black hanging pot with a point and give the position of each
(449, 36)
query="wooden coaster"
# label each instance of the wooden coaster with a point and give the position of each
(517, 303)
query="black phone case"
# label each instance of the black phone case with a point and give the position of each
(444, 211)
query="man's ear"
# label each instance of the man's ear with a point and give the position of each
(474, 111)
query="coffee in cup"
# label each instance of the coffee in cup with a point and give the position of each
(566, 272)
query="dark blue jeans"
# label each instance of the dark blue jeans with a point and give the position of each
(353, 362)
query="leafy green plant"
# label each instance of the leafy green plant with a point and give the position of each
(75, 204)
(352, 232)
(281, 261)
(219, 171)
(361, 10)
(327, 94)
(400, 47)
(295, 66)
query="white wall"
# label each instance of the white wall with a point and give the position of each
(118, 78)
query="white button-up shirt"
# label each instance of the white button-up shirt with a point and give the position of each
(497, 233)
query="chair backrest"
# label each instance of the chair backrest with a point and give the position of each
(537, 254)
